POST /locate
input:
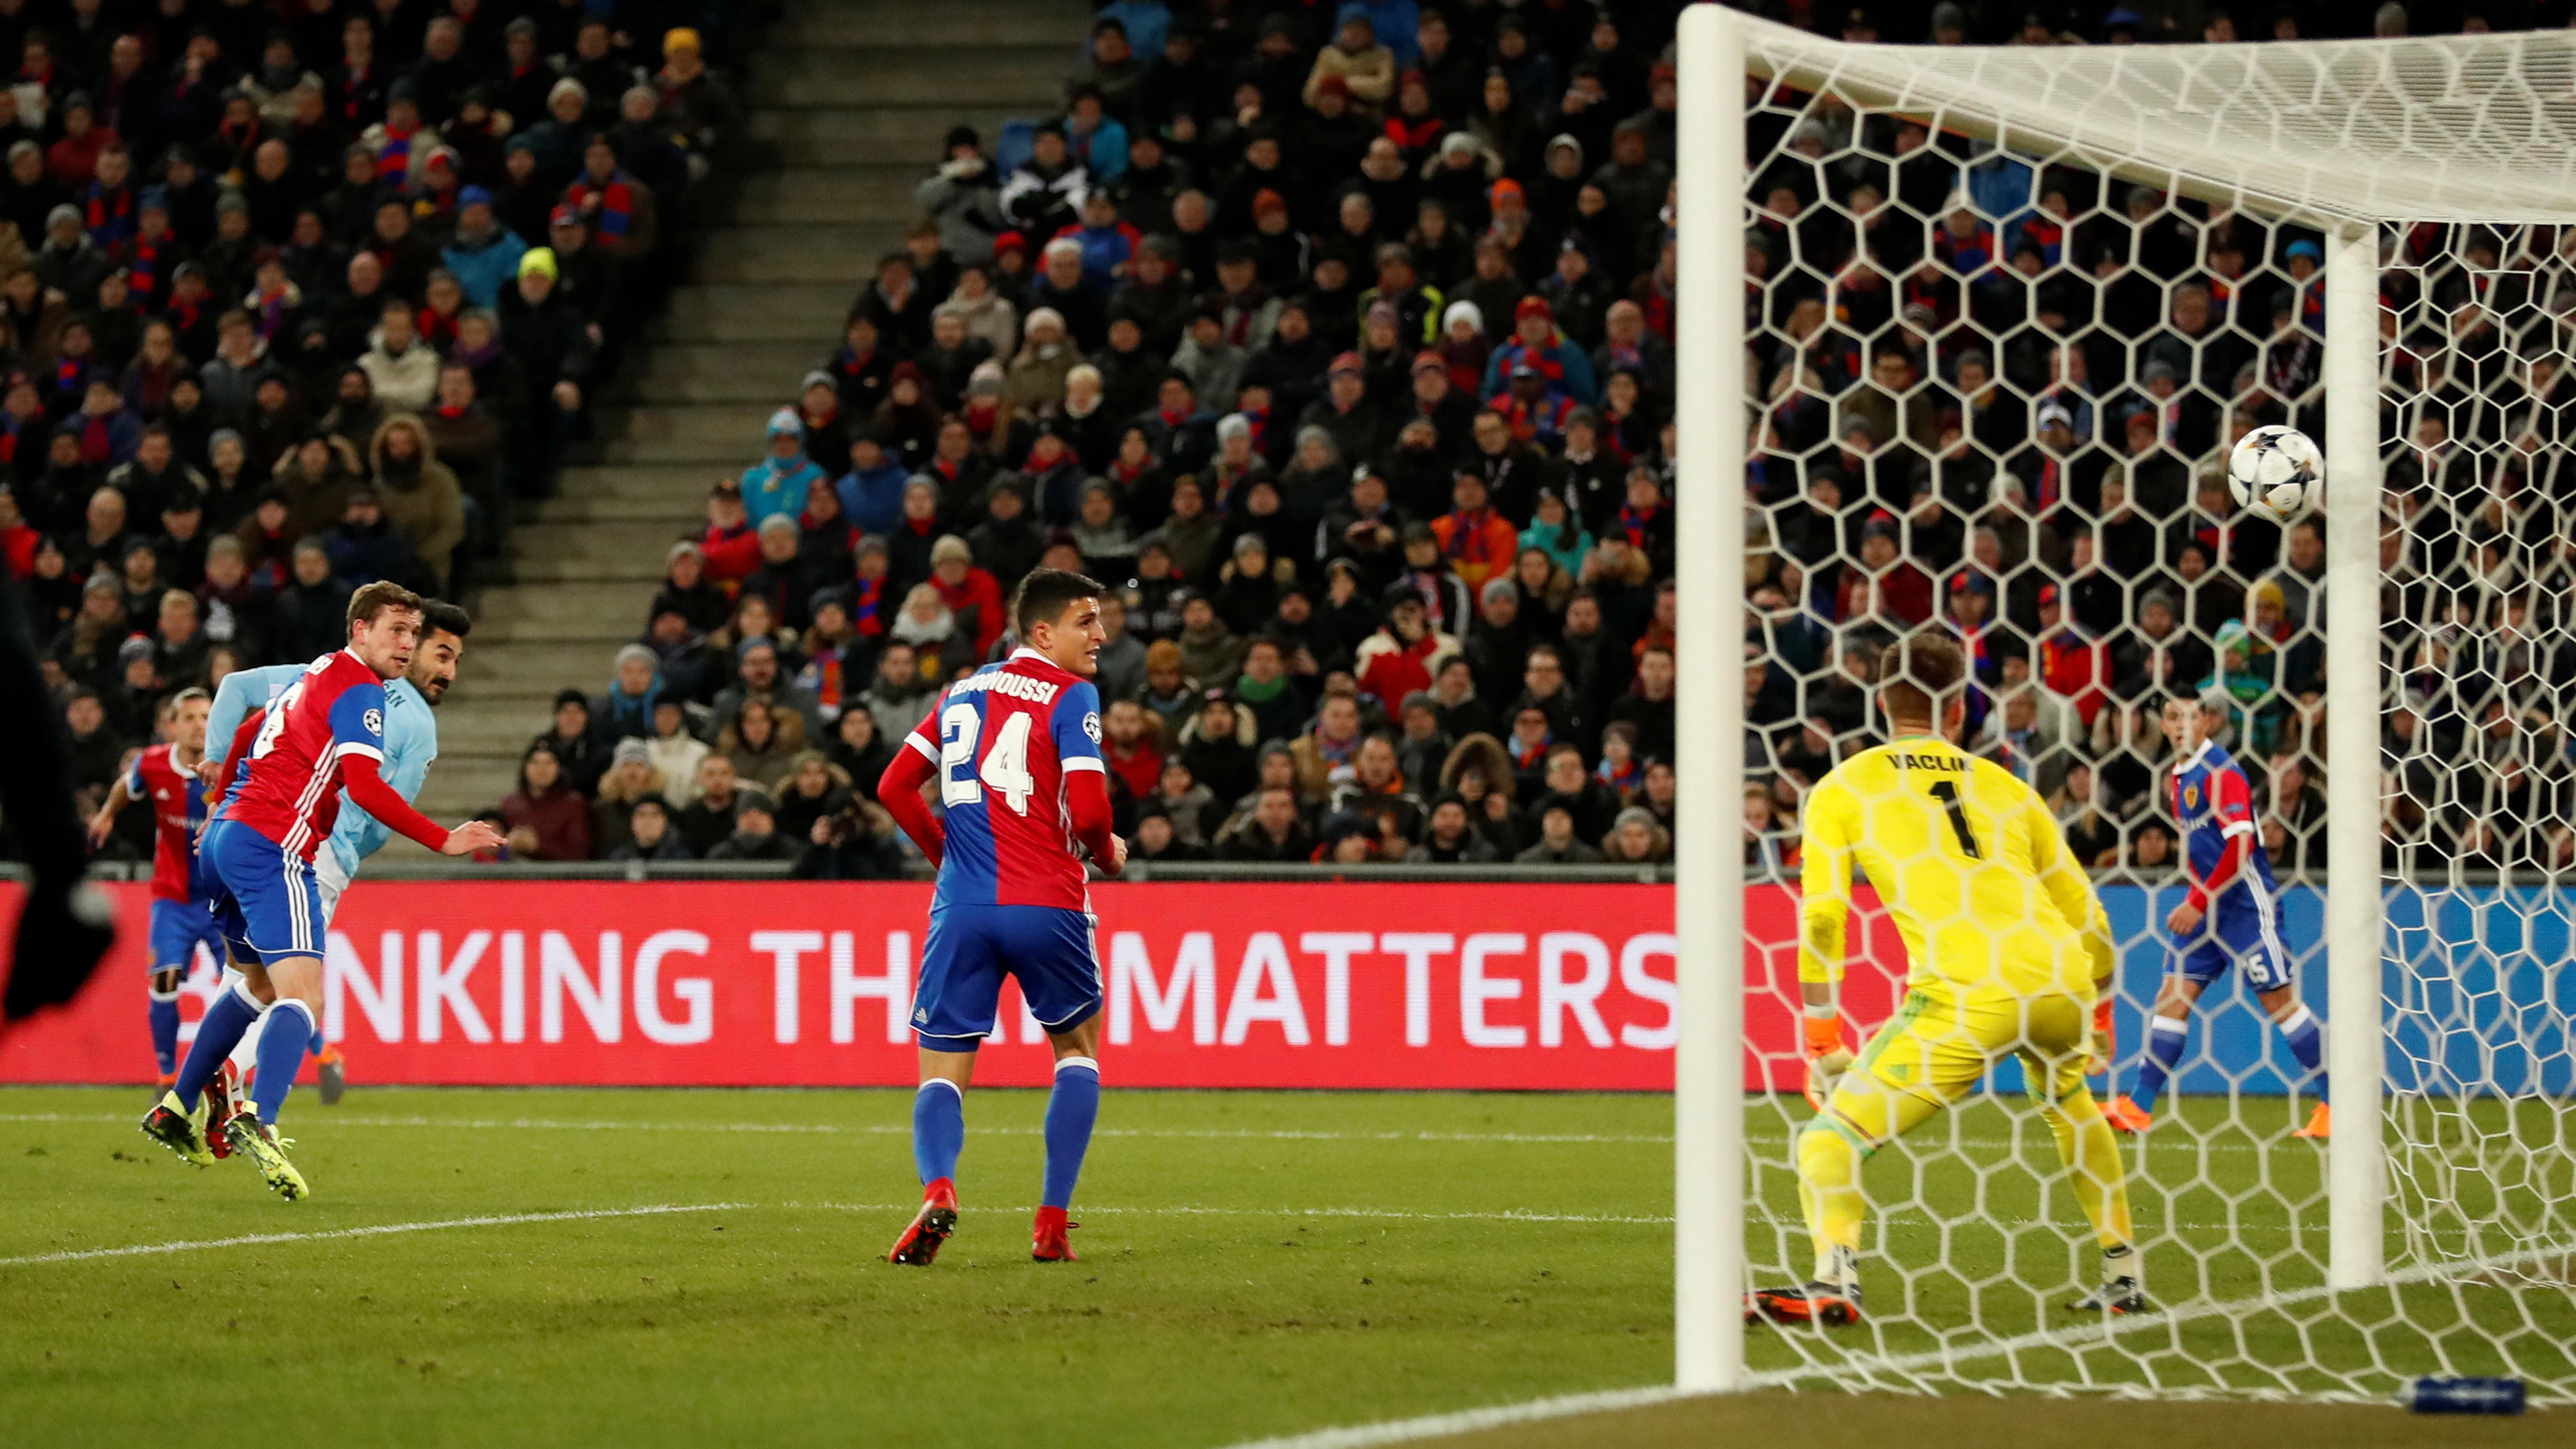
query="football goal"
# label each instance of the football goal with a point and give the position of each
(1966, 335)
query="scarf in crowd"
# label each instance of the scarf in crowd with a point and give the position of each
(616, 198)
(110, 213)
(1634, 521)
(355, 82)
(1466, 529)
(1531, 756)
(143, 269)
(1259, 418)
(271, 318)
(1341, 753)
(822, 677)
(71, 375)
(394, 161)
(452, 411)
(867, 607)
(472, 358)
(97, 445)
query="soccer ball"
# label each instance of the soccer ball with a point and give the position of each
(2275, 471)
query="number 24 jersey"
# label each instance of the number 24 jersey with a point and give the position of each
(1003, 740)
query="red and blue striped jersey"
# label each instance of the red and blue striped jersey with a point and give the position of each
(1002, 742)
(288, 787)
(178, 818)
(2215, 808)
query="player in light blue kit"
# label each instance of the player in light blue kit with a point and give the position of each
(411, 743)
(2230, 918)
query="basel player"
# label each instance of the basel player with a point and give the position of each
(2009, 953)
(182, 917)
(2229, 916)
(411, 745)
(289, 765)
(1015, 751)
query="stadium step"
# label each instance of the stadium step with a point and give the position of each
(819, 253)
(834, 136)
(573, 608)
(754, 312)
(851, 102)
(989, 22)
(1030, 76)
(764, 362)
(800, 195)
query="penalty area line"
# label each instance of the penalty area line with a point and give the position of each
(379, 1230)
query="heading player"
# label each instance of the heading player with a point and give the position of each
(183, 917)
(411, 746)
(2008, 951)
(1015, 748)
(2228, 916)
(290, 763)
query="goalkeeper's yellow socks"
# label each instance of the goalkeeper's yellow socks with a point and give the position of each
(2092, 1157)
(2165, 1037)
(1829, 1191)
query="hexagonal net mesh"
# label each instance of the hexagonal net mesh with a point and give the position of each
(1996, 380)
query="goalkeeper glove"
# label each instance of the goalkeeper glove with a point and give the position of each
(1827, 1057)
(2104, 1044)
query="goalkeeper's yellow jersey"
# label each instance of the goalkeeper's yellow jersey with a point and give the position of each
(1970, 865)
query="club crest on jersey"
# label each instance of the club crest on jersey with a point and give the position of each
(375, 721)
(2191, 797)
(1091, 725)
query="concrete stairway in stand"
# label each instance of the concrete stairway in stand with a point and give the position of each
(848, 101)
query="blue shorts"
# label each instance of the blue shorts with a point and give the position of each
(2242, 927)
(971, 948)
(266, 901)
(178, 929)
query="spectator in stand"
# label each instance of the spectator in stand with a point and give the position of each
(650, 833)
(755, 832)
(546, 818)
(631, 776)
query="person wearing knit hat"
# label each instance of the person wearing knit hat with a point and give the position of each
(1536, 342)
(539, 262)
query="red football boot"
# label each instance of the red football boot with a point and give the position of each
(929, 1228)
(1046, 1239)
(223, 1101)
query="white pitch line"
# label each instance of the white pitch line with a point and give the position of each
(896, 1129)
(1464, 1421)
(1468, 1421)
(251, 1240)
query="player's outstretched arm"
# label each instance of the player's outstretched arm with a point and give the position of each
(118, 797)
(368, 791)
(1826, 826)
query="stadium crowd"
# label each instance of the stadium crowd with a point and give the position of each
(294, 298)
(1339, 342)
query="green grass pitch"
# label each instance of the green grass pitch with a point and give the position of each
(1253, 1264)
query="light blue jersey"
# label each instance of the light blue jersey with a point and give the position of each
(411, 743)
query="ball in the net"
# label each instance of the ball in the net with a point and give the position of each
(2276, 471)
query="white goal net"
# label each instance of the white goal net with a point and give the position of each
(2004, 312)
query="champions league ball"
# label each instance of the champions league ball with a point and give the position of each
(2276, 472)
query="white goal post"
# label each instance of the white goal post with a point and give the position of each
(2345, 138)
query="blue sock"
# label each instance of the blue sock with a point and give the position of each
(2307, 1043)
(1071, 1109)
(313, 1043)
(938, 1129)
(165, 1030)
(218, 1032)
(2165, 1036)
(281, 1055)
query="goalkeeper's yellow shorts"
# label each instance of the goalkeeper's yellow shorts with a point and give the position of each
(1937, 1048)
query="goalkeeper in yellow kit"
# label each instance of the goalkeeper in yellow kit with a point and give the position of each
(2009, 951)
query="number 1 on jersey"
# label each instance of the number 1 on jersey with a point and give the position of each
(1947, 792)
